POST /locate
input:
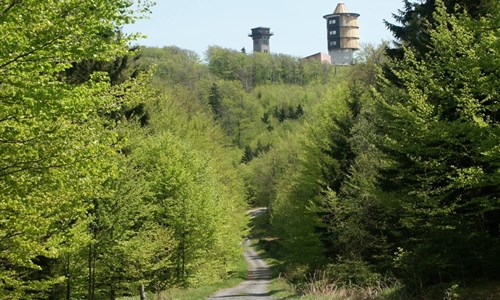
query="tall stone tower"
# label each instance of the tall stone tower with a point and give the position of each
(260, 36)
(343, 35)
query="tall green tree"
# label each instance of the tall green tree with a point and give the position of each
(441, 134)
(215, 101)
(53, 141)
(416, 17)
(190, 167)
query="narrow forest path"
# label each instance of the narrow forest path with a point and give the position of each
(259, 275)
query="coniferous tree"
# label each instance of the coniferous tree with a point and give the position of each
(416, 17)
(248, 155)
(215, 101)
(299, 112)
(441, 128)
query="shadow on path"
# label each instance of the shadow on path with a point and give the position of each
(259, 275)
(256, 286)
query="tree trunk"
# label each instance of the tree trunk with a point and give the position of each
(142, 293)
(90, 297)
(68, 279)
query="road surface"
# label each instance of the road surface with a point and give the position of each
(256, 286)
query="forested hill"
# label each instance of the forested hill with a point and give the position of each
(123, 167)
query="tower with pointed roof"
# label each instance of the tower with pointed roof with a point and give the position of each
(260, 36)
(342, 35)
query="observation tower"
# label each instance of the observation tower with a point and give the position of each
(342, 35)
(261, 36)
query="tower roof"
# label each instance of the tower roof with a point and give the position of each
(260, 31)
(341, 9)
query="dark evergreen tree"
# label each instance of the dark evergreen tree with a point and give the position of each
(215, 101)
(414, 20)
(291, 113)
(282, 114)
(248, 155)
(441, 133)
(265, 118)
(261, 148)
(299, 112)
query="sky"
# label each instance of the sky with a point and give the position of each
(298, 25)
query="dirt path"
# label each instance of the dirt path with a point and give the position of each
(256, 286)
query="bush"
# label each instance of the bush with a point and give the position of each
(354, 273)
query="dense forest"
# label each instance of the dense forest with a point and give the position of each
(124, 167)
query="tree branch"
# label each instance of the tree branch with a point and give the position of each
(25, 54)
(9, 7)
(10, 235)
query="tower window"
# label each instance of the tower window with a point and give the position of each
(333, 32)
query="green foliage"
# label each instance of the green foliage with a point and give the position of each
(200, 198)
(215, 99)
(202, 292)
(55, 146)
(105, 183)
(442, 137)
(334, 189)
(110, 179)
(403, 180)
(407, 184)
(261, 69)
(173, 66)
(417, 17)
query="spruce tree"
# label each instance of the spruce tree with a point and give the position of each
(441, 133)
(215, 101)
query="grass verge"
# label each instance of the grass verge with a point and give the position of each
(203, 292)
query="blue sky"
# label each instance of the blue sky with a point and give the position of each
(298, 25)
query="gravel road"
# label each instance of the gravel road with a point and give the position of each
(255, 287)
(259, 275)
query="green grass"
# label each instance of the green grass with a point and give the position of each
(281, 289)
(481, 290)
(203, 292)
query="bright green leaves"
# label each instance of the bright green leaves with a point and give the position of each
(195, 192)
(456, 75)
(55, 145)
(447, 107)
(260, 68)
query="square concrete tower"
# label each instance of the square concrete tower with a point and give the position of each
(261, 36)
